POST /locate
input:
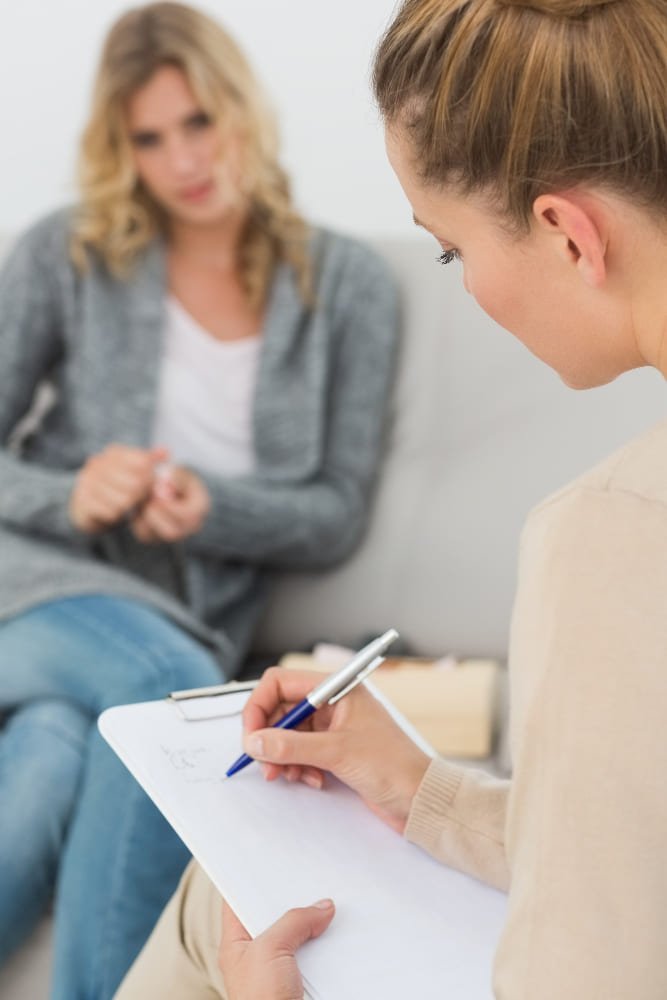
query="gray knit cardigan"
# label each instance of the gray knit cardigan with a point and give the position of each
(319, 410)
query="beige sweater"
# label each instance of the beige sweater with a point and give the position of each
(579, 836)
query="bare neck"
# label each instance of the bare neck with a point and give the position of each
(650, 300)
(213, 246)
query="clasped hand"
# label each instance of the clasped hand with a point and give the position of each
(123, 482)
(357, 741)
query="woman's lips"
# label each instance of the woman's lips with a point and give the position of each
(196, 192)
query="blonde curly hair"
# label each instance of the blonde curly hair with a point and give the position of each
(117, 217)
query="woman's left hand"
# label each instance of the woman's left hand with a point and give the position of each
(176, 508)
(265, 968)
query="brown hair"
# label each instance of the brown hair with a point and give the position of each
(117, 216)
(519, 97)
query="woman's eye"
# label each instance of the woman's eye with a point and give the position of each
(145, 140)
(447, 256)
(199, 121)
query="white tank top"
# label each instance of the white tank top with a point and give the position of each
(206, 390)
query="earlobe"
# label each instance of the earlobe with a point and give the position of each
(577, 234)
(593, 274)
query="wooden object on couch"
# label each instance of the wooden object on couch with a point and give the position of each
(451, 703)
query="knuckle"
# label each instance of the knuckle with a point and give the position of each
(280, 746)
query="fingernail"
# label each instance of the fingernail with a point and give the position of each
(324, 904)
(255, 745)
(312, 780)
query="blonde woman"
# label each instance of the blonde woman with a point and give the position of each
(530, 137)
(220, 372)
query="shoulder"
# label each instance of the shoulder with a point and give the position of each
(628, 486)
(46, 247)
(50, 232)
(44, 244)
(638, 469)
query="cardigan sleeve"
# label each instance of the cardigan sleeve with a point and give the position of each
(316, 523)
(458, 815)
(32, 497)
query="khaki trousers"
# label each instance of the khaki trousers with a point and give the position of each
(180, 959)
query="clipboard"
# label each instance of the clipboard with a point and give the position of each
(199, 704)
(404, 926)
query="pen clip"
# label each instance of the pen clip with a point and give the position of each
(361, 676)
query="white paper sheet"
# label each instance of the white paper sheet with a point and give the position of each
(405, 926)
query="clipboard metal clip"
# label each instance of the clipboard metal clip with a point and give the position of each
(198, 704)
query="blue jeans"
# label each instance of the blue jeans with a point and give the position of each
(71, 816)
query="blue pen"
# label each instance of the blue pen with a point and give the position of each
(330, 690)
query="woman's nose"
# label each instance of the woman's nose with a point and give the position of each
(181, 157)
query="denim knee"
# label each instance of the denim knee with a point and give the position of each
(137, 652)
(42, 751)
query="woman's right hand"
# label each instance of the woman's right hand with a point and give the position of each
(356, 740)
(110, 484)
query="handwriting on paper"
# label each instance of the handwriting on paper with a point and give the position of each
(195, 763)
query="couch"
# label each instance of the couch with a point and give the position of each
(479, 431)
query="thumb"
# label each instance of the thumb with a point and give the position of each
(233, 930)
(298, 926)
(181, 480)
(159, 454)
(289, 746)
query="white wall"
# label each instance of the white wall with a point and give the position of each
(313, 57)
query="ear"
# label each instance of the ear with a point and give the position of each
(579, 232)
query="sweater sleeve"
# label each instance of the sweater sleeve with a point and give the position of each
(587, 814)
(32, 498)
(458, 816)
(316, 523)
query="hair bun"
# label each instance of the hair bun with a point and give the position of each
(560, 8)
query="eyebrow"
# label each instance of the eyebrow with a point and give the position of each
(195, 113)
(417, 222)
